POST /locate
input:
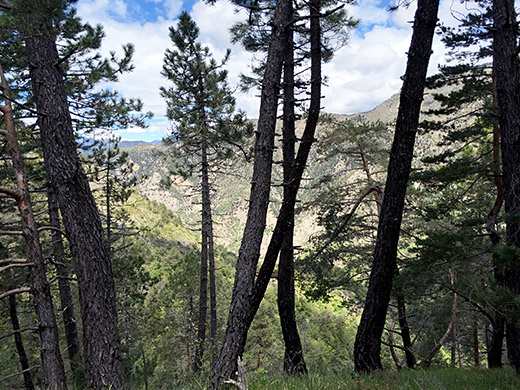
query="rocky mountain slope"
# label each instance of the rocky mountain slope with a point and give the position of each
(231, 190)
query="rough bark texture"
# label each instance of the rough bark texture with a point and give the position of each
(368, 339)
(52, 364)
(507, 71)
(203, 286)
(83, 227)
(294, 362)
(22, 356)
(66, 300)
(241, 302)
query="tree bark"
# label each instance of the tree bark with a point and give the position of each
(367, 346)
(241, 300)
(203, 289)
(81, 219)
(52, 364)
(507, 71)
(294, 362)
(22, 356)
(66, 300)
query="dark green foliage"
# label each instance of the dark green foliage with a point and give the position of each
(352, 159)
(200, 103)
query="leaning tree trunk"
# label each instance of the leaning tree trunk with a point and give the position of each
(66, 300)
(102, 350)
(20, 349)
(294, 362)
(507, 71)
(52, 364)
(248, 293)
(367, 346)
(203, 286)
(240, 309)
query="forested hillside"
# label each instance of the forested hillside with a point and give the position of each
(299, 250)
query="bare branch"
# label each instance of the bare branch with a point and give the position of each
(20, 290)
(13, 261)
(18, 373)
(51, 228)
(18, 331)
(2, 269)
(11, 233)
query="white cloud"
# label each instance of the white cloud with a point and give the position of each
(370, 12)
(360, 76)
(173, 7)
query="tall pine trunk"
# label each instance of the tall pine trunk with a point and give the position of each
(294, 362)
(241, 300)
(203, 287)
(66, 300)
(507, 71)
(52, 363)
(248, 292)
(367, 346)
(102, 351)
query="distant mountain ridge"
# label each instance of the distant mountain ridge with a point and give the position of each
(231, 194)
(130, 144)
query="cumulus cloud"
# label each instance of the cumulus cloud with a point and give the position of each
(361, 75)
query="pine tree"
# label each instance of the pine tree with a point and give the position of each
(323, 18)
(39, 31)
(52, 363)
(71, 70)
(368, 339)
(206, 132)
(242, 307)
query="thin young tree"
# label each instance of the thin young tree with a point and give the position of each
(52, 363)
(206, 132)
(367, 346)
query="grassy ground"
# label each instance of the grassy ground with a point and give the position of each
(434, 379)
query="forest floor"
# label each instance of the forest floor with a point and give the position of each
(433, 379)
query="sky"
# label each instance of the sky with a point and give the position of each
(362, 74)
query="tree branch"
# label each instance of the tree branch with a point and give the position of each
(10, 193)
(15, 291)
(2, 269)
(11, 233)
(13, 261)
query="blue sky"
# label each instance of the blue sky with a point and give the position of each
(361, 75)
